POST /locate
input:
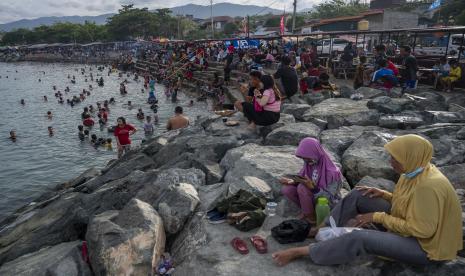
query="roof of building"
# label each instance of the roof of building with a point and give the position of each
(347, 18)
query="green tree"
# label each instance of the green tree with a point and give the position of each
(230, 28)
(335, 8)
(299, 22)
(272, 21)
(132, 22)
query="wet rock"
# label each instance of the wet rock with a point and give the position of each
(385, 104)
(428, 101)
(445, 117)
(338, 140)
(313, 98)
(285, 119)
(400, 121)
(82, 178)
(364, 118)
(176, 205)
(213, 171)
(346, 91)
(210, 195)
(448, 151)
(296, 110)
(65, 217)
(456, 103)
(334, 111)
(456, 174)
(62, 259)
(437, 131)
(117, 171)
(267, 163)
(292, 134)
(154, 187)
(370, 93)
(461, 134)
(126, 242)
(380, 183)
(366, 156)
(322, 124)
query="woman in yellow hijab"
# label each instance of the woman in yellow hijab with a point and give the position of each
(420, 222)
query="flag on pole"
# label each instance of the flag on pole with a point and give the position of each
(435, 5)
(281, 25)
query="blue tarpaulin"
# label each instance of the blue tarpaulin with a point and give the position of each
(244, 43)
(436, 4)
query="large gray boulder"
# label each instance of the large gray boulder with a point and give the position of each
(380, 183)
(61, 259)
(437, 131)
(292, 134)
(456, 174)
(366, 156)
(267, 163)
(445, 117)
(338, 140)
(285, 119)
(364, 118)
(370, 93)
(401, 121)
(65, 217)
(429, 101)
(461, 134)
(296, 110)
(313, 98)
(176, 205)
(126, 242)
(217, 127)
(334, 111)
(388, 105)
(448, 151)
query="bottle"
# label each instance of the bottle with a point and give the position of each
(322, 210)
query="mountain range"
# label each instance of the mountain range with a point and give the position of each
(197, 11)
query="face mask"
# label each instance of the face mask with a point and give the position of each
(414, 173)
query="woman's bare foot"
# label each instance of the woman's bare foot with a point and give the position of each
(252, 126)
(284, 257)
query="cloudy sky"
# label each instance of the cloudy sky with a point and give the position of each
(11, 10)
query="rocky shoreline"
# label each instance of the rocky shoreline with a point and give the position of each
(50, 58)
(154, 199)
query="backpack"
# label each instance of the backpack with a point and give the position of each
(290, 231)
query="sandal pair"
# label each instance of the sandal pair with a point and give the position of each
(258, 242)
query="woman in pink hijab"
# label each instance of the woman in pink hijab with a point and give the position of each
(319, 178)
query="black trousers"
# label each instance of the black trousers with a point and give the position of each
(262, 118)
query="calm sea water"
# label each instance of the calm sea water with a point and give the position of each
(36, 162)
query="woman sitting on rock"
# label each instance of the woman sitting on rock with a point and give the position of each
(265, 107)
(422, 216)
(320, 178)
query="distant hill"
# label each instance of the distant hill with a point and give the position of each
(221, 9)
(197, 11)
(32, 23)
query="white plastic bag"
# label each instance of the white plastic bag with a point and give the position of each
(328, 233)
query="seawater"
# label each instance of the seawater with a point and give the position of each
(37, 162)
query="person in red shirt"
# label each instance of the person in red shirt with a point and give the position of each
(393, 67)
(122, 133)
(104, 114)
(231, 49)
(88, 122)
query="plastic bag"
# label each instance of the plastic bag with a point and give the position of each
(328, 233)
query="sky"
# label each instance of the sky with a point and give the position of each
(12, 10)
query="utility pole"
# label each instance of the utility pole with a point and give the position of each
(211, 18)
(248, 26)
(293, 16)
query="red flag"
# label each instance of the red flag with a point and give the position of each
(281, 25)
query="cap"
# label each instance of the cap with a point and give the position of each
(323, 201)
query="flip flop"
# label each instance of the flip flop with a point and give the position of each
(260, 244)
(240, 246)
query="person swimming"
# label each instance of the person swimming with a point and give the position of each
(148, 126)
(13, 135)
(49, 115)
(23, 102)
(45, 99)
(50, 131)
(108, 145)
(140, 114)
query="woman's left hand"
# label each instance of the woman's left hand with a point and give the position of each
(257, 93)
(364, 219)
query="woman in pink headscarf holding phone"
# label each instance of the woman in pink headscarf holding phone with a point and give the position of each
(319, 177)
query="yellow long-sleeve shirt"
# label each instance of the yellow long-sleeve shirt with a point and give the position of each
(430, 212)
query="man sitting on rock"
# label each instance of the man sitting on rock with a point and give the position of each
(178, 121)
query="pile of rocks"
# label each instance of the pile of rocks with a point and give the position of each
(154, 199)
